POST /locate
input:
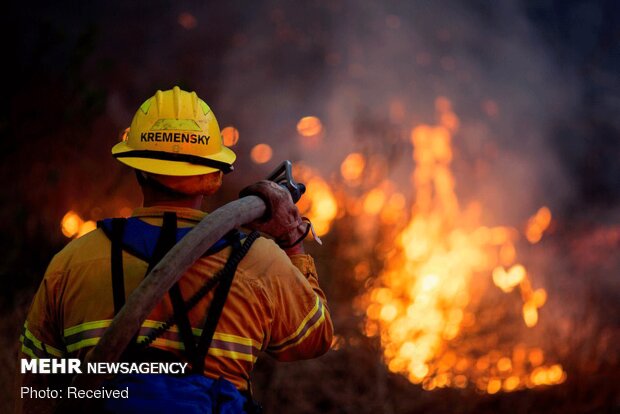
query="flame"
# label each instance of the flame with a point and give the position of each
(374, 201)
(423, 299)
(318, 203)
(537, 224)
(309, 126)
(261, 153)
(124, 135)
(394, 209)
(352, 167)
(507, 280)
(73, 226)
(230, 136)
(337, 342)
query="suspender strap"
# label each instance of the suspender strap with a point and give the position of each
(182, 320)
(167, 239)
(118, 279)
(219, 300)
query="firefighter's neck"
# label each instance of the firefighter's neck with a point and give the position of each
(154, 198)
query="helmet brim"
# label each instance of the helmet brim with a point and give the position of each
(173, 168)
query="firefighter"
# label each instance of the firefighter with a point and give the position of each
(274, 302)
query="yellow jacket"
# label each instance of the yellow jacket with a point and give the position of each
(275, 304)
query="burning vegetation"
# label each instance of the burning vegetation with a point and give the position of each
(425, 303)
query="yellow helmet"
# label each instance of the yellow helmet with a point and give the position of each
(174, 133)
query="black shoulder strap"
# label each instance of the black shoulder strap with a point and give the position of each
(167, 239)
(223, 280)
(118, 279)
(219, 300)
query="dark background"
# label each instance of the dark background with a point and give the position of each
(75, 72)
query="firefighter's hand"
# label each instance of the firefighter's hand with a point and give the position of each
(281, 220)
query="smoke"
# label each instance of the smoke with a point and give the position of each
(371, 71)
(354, 63)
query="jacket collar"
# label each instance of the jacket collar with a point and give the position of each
(158, 211)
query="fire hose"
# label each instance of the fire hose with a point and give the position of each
(173, 265)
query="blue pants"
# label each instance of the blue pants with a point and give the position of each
(158, 393)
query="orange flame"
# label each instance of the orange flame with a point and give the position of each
(230, 136)
(318, 203)
(352, 167)
(537, 224)
(261, 153)
(309, 126)
(73, 226)
(507, 280)
(374, 201)
(423, 299)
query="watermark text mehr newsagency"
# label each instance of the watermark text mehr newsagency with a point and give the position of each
(75, 366)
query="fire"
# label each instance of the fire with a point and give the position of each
(318, 203)
(261, 153)
(507, 280)
(309, 126)
(230, 136)
(537, 224)
(352, 167)
(374, 201)
(423, 301)
(73, 226)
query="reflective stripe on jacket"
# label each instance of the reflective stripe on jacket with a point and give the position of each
(275, 304)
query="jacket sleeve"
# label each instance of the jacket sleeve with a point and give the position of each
(41, 335)
(302, 328)
(40, 338)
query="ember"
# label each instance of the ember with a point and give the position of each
(352, 167)
(230, 136)
(73, 226)
(261, 153)
(537, 225)
(309, 126)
